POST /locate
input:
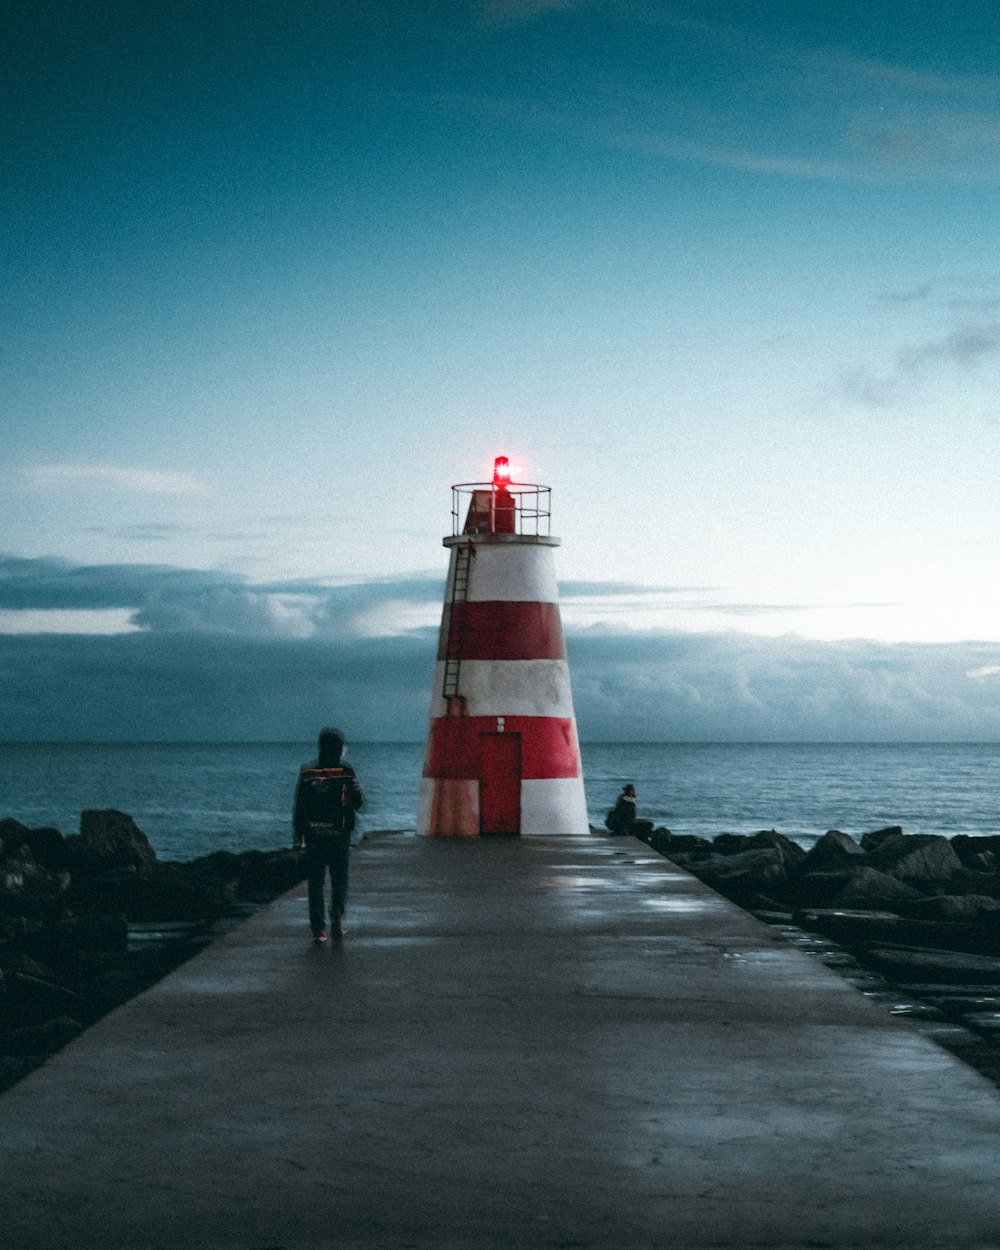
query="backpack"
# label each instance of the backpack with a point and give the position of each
(326, 796)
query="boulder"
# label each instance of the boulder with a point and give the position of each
(910, 966)
(112, 839)
(743, 874)
(868, 888)
(770, 839)
(981, 861)
(688, 844)
(729, 843)
(62, 944)
(48, 848)
(34, 1000)
(869, 841)
(114, 891)
(40, 1039)
(848, 926)
(266, 874)
(176, 892)
(12, 834)
(833, 852)
(662, 841)
(968, 881)
(820, 889)
(926, 861)
(950, 907)
(968, 847)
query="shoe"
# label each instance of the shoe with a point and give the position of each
(339, 926)
(319, 936)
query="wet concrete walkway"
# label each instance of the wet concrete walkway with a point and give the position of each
(552, 1042)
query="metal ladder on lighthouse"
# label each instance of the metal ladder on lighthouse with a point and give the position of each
(456, 632)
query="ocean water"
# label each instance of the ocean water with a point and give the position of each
(193, 798)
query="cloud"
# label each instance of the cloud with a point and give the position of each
(986, 670)
(780, 107)
(577, 589)
(163, 599)
(200, 687)
(674, 687)
(67, 621)
(914, 295)
(966, 348)
(662, 687)
(144, 532)
(120, 477)
(203, 654)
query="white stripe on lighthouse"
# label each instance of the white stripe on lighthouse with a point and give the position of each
(510, 688)
(525, 574)
(554, 805)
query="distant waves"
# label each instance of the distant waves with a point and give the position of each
(191, 799)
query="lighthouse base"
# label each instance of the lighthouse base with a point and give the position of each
(451, 808)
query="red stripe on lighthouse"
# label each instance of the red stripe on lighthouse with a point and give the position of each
(548, 746)
(502, 630)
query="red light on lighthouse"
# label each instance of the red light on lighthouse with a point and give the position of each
(501, 471)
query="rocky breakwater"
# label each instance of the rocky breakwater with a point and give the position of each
(913, 920)
(88, 920)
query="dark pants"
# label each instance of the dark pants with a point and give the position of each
(327, 851)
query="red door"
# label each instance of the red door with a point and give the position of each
(500, 783)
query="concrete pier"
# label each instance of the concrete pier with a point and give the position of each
(534, 1042)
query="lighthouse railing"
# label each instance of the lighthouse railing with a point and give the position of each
(481, 503)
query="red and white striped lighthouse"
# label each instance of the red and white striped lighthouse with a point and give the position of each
(502, 750)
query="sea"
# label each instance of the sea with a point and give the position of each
(192, 798)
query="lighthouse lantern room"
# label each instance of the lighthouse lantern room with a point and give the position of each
(502, 753)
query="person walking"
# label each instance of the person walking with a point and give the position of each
(327, 795)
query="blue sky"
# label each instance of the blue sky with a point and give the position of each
(723, 274)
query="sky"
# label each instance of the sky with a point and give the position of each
(275, 275)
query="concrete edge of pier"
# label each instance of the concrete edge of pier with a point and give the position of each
(522, 1042)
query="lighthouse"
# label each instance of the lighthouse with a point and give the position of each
(502, 752)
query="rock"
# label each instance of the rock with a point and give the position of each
(48, 848)
(729, 843)
(12, 1069)
(62, 944)
(950, 907)
(849, 927)
(790, 852)
(820, 889)
(662, 840)
(111, 839)
(41, 1039)
(34, 1001)
(27, 891)
(923, 860)
(114, 891)
(689, 844)
(869, 841)
(12, 834)
(266, 874)
(175, 891)
(910, 965)
(832, 852)
(968, 881)
(868, 888)
(743, 874)
(969, 847)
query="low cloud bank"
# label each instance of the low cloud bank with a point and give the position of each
(218, 657)
(660, 687)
